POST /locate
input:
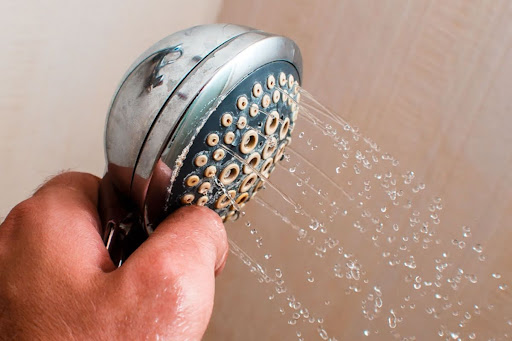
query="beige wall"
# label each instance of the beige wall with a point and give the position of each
(431, 82)
(60, 64)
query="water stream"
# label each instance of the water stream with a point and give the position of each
(350, 244)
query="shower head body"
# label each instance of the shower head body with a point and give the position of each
(200, 118)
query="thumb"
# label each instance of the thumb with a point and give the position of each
(173, 272)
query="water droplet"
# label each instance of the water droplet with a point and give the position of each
(472, 278)
(392, 320)
(323, 333)
(454, 335)
(279, 273)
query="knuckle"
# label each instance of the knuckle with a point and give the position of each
(139, 280)
(208, 220)
(67, 179)
(26, 223)
(149, 272)
(22, 212)
(161, 267)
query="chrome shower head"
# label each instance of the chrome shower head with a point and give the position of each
(199, 119)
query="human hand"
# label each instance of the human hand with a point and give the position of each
(57, 280)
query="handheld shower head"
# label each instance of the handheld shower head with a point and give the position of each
(200, 118)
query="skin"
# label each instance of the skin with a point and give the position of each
(57, 281)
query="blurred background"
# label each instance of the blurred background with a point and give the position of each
(430, 81)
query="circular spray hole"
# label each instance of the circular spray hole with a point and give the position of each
(229, 137)
(202, 200)
(212, 139)
(291, 80)
(201, 160)
(249, 141)
(242, 102)
(192, 180)
(284, 128)
(258, 186)
(265, 101)
(280, 152)
(187, 199)
(295, 114)
(271, 82)
(224, 200)
(253, 110)
(272, 123)
(266, 167)
(226, 120)
(242, 122)
(248, 182)
(252, 162)
(204, 188)
(218, 154)
(257, 90)
(276, 96)
(282, 79)
(269, 148)
(229, 174)
(242, 199)
(210, 171)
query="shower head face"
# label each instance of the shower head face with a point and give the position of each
(196, 123)
(240, 143)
